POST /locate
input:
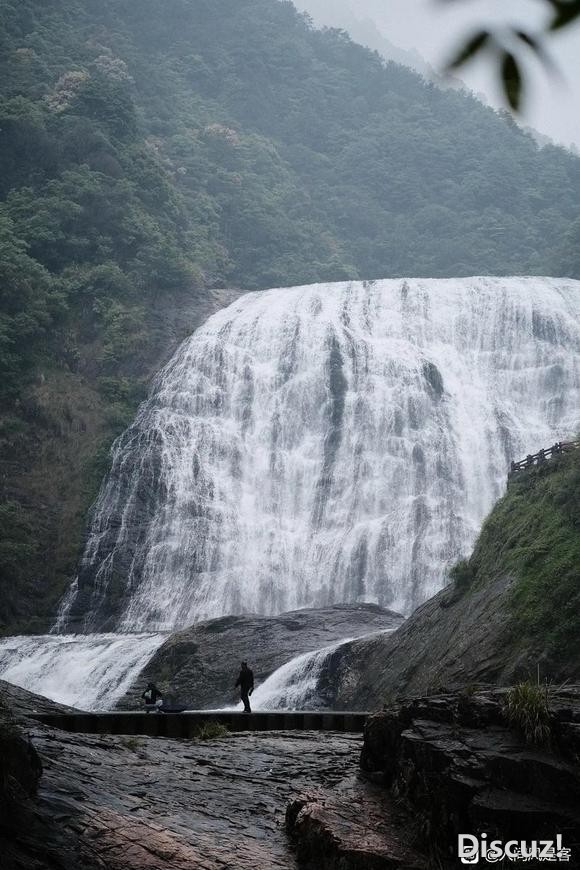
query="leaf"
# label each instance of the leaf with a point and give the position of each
(538, 48)
(566, 12)
(512, 80)
(471, 47)
(533, 43)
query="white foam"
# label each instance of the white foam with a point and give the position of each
(331, 443)
(91, 672)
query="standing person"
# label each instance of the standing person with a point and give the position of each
(152, 697)
(246, 683)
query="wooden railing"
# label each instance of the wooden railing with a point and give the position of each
(543, 455)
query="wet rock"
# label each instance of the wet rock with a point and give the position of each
(20, 766)
(449, 642)
(458, 767)
(199, 665)
(434, 379)
(20, 772)
(22, 705)
(354, 828)
(125, 803)
(432, 767)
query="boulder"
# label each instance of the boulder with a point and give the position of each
(354, 827)
(200, 664)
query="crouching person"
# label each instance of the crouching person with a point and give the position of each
(152, 697)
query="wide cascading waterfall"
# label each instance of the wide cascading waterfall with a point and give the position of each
(329, 443)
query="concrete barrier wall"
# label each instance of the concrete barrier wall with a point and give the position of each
(181, 725)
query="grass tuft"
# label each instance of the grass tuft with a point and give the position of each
(211, 730)
(527, 710)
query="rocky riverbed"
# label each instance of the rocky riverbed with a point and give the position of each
(430, 768)
(119, 803)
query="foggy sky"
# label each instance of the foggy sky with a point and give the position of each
(434, 29)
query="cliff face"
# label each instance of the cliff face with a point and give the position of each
(511, 611)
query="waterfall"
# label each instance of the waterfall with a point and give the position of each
(91, 672)
(295, 685)
(309, 446)
(329, 443)
(298, 684)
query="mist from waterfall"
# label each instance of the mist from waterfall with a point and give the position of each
(328, 443)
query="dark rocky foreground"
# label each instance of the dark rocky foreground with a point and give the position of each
(455, 762)
(119, 803)
(431, 768)
(199, 665)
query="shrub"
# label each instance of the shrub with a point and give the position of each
(462, 573)
(527, 710)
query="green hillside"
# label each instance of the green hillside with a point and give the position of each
(150, 151)
(533, 535)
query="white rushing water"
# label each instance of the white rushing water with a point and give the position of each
(296, 685)
(309, 446)
(338, 442)
(90, 672)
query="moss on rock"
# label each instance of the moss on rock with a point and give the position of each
(533, 534)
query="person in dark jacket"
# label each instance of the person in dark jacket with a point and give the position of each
(246, 683)
(152, 697)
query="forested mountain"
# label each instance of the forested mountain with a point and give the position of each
(150, 151)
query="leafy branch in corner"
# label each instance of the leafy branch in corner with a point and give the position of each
(507, 45)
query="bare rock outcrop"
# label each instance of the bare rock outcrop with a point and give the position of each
(355, 827)
(436, 767)
(458, 766)
(452, 641)
(199, 665)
